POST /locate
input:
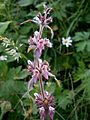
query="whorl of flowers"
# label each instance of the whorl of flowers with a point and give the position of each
(45, 105)
(40, 69)
(38, 43)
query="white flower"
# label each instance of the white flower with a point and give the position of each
(13, 53)
(3, 58)
(67, 41)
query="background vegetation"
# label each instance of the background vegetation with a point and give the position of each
(71, 66)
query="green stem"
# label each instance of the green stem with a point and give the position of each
(1, 116)
(76, 115)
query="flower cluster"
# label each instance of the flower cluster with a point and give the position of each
(45, 105)
(43, 20)
(38, 44)
(40, 69)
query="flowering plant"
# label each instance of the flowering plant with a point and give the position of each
(40, 69)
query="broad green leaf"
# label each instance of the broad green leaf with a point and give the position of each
(23, 3)
(4, 26)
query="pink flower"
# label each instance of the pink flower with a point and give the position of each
(38, 44)
(43, 20)
(45, 105)
(51, 112)
(38, 68)
(42, 113)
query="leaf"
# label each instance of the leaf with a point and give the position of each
(24, 3)
(17, 73)
(65, 99)
(80, 46)
(11, 88)
(3, 70)
(80, 36)
(4, 26)
(88, 46)
(23, 74)
(83, 75)
(82, 41)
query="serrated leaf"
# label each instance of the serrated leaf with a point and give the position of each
(80, 36)
(4, 26)
(10, 88)
(80, 46)
(64, 100)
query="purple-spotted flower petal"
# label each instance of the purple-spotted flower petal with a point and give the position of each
(43, 20)
(38, 44)
(38, 68)
(35, 75)
(42, 113)
(51, 112)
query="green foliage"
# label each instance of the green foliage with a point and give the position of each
(24, 3)
(4, 26)
(82, 41)
(70, 65)
(82, 75)
(65, 99)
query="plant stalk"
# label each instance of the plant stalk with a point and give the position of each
(41, 87)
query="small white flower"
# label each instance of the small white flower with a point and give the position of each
(14, 53)
(67, 41)
(3, 58)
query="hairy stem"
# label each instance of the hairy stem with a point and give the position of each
(41, 86)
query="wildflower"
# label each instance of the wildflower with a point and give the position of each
(7, 42)
(13, 53)
(43, 20)
(67, 41)
(38, 68)
(38, 44)
(45, 105)
(3, 57)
